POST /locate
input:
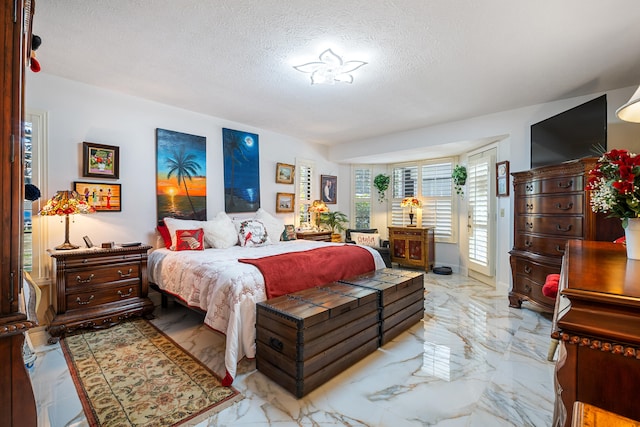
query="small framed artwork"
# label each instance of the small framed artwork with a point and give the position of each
(88, 242)
(284, 173)
(329, 188)
(285, 202)
(502, 179)
(104, 197)
(100, 161)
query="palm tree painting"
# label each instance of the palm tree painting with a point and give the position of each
(181, 184)
(241, 171)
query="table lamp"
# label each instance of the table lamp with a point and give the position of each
(318, 207)
(66, 203)
(410, 202)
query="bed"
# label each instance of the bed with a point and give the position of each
(214, 281)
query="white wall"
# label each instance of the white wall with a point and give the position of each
(79, 112)
(512, 131)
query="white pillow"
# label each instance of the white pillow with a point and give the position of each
(253, 233)
(174, 224)
(366, 239)
(274, 226)
(220, 232)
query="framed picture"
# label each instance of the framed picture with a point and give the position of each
(88, 242)
(104, 197)
(328, 188)
(502, 178)
(285, 202)
(285, 173)
(100, 161)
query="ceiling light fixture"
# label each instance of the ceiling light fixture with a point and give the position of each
(630, 112)
(330, 69)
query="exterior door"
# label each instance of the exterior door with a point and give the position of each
(481, 214)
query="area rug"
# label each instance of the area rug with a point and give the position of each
(134, 375)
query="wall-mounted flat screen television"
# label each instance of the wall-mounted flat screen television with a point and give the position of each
(573, 134)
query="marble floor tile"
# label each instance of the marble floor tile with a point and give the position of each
(471, 361)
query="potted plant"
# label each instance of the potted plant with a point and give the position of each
(336, 221)
(381, 182)
(459, 176)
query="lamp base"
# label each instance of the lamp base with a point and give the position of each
(66, 246)
(412, 225)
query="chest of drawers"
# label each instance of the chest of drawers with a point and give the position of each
(97, 288)
(551, 206)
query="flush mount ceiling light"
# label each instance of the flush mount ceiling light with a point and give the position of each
(330, 69)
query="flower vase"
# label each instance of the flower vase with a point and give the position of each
(632, 238)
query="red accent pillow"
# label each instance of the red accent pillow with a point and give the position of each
(166, 236)
(550, 287)
(190, 240)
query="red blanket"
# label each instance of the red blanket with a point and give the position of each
(287, 273)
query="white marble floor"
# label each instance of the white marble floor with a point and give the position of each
(472, 361)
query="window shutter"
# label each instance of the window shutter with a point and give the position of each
(438, 199)
(362, 200)
(478, 189)
(404, 184)
(305, 190)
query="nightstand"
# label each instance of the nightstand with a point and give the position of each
(97, 288)
(413, 246)
(320, 236)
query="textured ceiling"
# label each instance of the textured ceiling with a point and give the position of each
(429, 61)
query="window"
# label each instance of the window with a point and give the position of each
(362, 199)
(305, 189)
(431, 182)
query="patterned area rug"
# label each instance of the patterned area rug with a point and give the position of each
(134, 375)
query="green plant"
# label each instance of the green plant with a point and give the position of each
(335, 220)
(381, 182)
(459, 176)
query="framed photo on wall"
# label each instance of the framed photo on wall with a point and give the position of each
(329, 189)
(502, 179)
(285, 173)
(285, 202)
(100, 161)
(104, 197)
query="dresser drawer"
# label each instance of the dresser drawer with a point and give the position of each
(541, 245)
(567, 184)
(533, 271)
(527, 287)
(569, 204)
(95, 261)
(565, 226)
(96, 297)
(90, 275)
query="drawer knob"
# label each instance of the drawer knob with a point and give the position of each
(276, 344)
(529, 225)
(527, 269)
(125, 295)
(528, 243)
(565, 229)
(80, 302)
(567, 185)
(528, 187)
(127, 274)
(566, 208)
(87, 280)
(559, 249)
(527, 289)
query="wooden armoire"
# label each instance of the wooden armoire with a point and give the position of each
(17, 403)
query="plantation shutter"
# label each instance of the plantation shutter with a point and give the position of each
(305, 190)
(437, 199)
(362, 197)
(478, 185)
(404, 184)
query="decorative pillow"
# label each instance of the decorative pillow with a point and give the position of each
(366, 239)
(253, 233)
(289, 233)
(220, 232)
(274, 225)
(164, 233)
(174, 224)
(190, 240)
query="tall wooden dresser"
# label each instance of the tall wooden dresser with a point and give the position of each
(551, 206)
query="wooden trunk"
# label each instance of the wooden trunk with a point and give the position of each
(306, 338)
(400, 298)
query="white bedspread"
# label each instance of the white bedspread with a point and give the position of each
(225, 289)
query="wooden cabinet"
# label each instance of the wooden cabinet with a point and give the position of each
(413, 246)
(597, 320)
(17, 403)
(98, 288)
(550, 207)
(320, 236)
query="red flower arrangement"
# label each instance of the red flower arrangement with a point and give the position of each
(615, 185)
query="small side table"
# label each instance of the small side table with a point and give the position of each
(98, 288)
(319, 236)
